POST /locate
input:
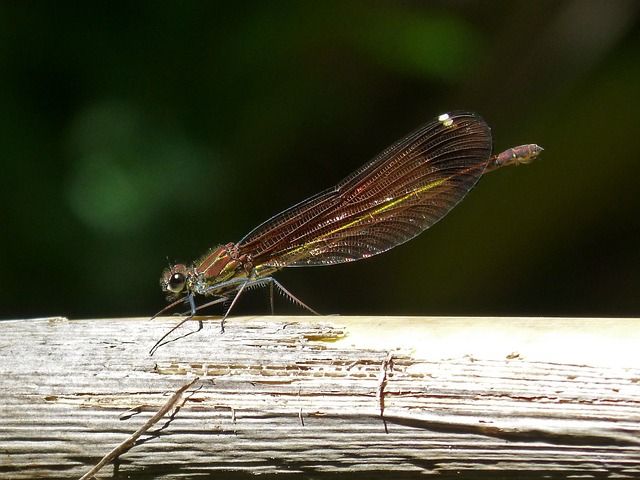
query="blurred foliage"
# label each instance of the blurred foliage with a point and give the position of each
(133, 132)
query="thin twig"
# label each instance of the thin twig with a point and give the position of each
(129, 442)
(382, 383)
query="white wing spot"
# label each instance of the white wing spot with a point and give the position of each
(445, 119)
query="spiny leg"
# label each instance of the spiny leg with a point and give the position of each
(233, 302)
(273, 310)
(274, 283)
(190, 300)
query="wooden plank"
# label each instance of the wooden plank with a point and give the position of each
(470, 397)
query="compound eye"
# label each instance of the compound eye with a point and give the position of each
(176, 283)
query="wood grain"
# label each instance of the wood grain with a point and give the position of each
(313, 397)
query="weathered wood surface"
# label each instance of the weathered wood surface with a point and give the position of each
(301, 396)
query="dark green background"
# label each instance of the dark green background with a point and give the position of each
(132, 131)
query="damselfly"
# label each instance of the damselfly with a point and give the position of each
(387, 201)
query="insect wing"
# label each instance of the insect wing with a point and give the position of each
(389, 200)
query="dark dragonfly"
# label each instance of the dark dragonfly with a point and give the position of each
(389, 200)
